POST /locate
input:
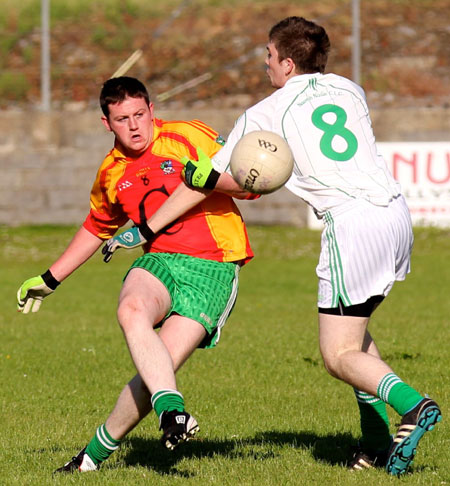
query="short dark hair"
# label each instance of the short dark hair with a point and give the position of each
(305, 42)
(115, 90)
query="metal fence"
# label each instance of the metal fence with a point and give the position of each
(137, 54)
(397, 51)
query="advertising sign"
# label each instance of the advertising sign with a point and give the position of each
(423, 170)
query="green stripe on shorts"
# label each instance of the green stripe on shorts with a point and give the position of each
(336, 268)
(203, 290)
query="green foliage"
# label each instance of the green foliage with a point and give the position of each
(269, 414)
(119, 40)
(7, 42)
(13, 86)
(29, 11)
(27, 53)
(99, 34)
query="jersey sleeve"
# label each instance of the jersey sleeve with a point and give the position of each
(246, 123)
(106, 215)
(221, 160)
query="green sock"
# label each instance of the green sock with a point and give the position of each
(101, 446)
(167, 401)
(400, 396)
(374, 422)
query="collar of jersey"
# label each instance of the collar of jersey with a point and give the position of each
(302, 77)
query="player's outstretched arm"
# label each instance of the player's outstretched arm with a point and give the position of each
(31, 293)
(180, 201)
(176, 205)
(186, 196)
(199, 177)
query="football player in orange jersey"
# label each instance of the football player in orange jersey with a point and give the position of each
(186, 281)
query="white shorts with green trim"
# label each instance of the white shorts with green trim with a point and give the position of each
(364, 250)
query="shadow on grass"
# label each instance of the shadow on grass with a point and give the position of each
(333, 449)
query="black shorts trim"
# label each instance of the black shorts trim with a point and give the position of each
(359, 310)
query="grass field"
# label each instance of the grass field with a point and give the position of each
(268, 412)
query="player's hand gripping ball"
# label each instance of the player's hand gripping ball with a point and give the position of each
(261, 162)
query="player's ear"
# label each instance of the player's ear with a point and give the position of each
(289, 66)
(105, 122)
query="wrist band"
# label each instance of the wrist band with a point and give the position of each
(146, 232)
(50, 280)
(212, 179)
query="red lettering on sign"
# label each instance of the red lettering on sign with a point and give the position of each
(430, 177)
(398, 158)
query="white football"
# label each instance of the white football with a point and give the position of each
(261, 162)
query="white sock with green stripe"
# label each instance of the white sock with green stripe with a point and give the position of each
(101, 446)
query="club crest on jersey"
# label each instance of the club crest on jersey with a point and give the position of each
(167, 167)
(220, 140)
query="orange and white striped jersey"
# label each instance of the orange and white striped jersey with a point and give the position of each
(133, 189)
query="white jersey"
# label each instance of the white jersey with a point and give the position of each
(325, 120)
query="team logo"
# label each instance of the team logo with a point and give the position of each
(124, 185)
(267, 145)
(127, 237)
(220, 140)
(180, 419)
(167, 167)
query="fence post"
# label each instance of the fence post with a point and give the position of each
(45, 55)
(356, 51)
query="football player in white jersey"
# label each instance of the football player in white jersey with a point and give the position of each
(367, 239)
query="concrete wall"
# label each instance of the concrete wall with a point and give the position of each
(48, 161)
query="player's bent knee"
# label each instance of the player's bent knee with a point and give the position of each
(133, 310)
(129, 309)
(332, 360)
(331, 367)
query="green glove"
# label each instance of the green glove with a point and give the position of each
(131, 238)
(33, 291)
(200, 173)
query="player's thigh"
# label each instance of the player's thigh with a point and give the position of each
(339, 334)
(182, 336)
(143, 292)
(206, 291)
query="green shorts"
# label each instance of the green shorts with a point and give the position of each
(203, 290)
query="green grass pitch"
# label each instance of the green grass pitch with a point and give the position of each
(268, 412)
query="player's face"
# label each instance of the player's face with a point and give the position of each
(132, 123)
(277, 71)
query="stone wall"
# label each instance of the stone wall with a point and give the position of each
(48, 161)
